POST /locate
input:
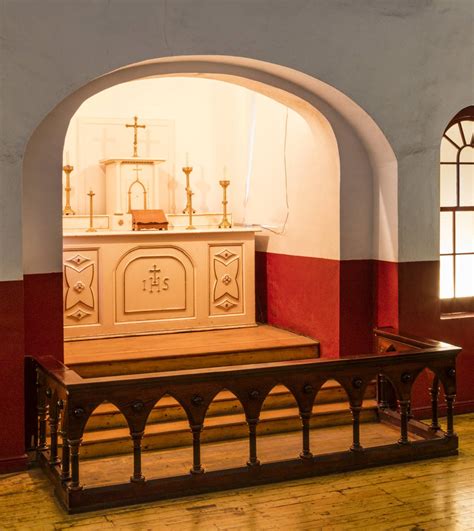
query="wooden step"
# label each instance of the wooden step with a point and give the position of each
(173, 434)
(167, 352)
(107, 416)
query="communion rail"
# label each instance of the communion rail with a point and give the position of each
(65, 401)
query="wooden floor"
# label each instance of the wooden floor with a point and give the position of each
(436, 494)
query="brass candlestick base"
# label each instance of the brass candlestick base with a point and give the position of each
(187, 170)
(91, 212)
(225, 223)
(68, 211)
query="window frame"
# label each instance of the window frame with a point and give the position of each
(457, 304)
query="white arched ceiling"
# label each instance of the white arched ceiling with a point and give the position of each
(368, 169)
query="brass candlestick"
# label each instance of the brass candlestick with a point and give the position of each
(187, 170)
(68, 211)
(91, 214)
(225, 223)
(189, 204)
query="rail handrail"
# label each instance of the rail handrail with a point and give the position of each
(66, 401)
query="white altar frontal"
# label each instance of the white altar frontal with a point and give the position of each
(126, 283)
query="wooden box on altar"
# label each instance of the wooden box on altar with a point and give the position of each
(149, 219)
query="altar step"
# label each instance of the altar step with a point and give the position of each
(186, 350)
(107, 434)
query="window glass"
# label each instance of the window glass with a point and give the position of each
(454, 133)
(468, 129)
(446, 233)
(465, 275)
(449, 152)
(464, 232)
(446, 277)
(466, 154)
(448, 185)
(466, 185)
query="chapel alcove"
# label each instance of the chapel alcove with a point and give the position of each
(127, 147)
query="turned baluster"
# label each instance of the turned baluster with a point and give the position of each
(449, 415)
(434, 393)
(41, 409)
(382, 392)
(74, 445)
(65, 457)
(356, 446)
(404, 409)
(137, 457)
(197, 467)
(305, 419)
(53, 430)
(253, 461)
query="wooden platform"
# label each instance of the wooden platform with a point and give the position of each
(186, 350)
(107, 432)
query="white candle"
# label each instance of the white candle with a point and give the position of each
(67, 158)
(225, 172)
(187, 158)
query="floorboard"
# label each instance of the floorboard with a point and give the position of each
(435, 494)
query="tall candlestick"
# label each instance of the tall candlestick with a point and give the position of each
(91, 212)
(68, 211)
(187, 170)
(225, 223)
(190, 209)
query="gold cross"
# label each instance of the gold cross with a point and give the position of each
(135, 126)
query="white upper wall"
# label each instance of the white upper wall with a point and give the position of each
(408, 64)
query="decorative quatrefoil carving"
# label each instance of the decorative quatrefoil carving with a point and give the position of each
(79, 284)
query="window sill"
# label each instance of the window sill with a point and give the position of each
(457, 315)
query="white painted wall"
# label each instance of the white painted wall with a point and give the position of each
(407, 64)
(283, 175)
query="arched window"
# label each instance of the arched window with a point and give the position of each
(457, 214)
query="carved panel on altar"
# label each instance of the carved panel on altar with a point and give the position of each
(154, 283)
(226, 289)
(80, 287)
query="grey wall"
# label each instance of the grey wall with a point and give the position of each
(406, 62)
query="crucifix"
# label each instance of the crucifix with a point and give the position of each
(135, 126)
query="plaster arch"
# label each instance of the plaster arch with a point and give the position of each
(367, 194)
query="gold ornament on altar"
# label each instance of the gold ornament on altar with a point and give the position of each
(68, 211)
(187, 170)
(190, 194)
(91, 212)
(135, 126)
(225, 223)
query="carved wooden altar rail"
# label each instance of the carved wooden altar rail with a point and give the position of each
(66, 401)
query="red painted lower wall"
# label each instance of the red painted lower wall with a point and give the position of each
(12, 447)
(420, 314)
(337, 303)
(44, 315)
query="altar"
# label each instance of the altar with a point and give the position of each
(134, 260)
(134, 282)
